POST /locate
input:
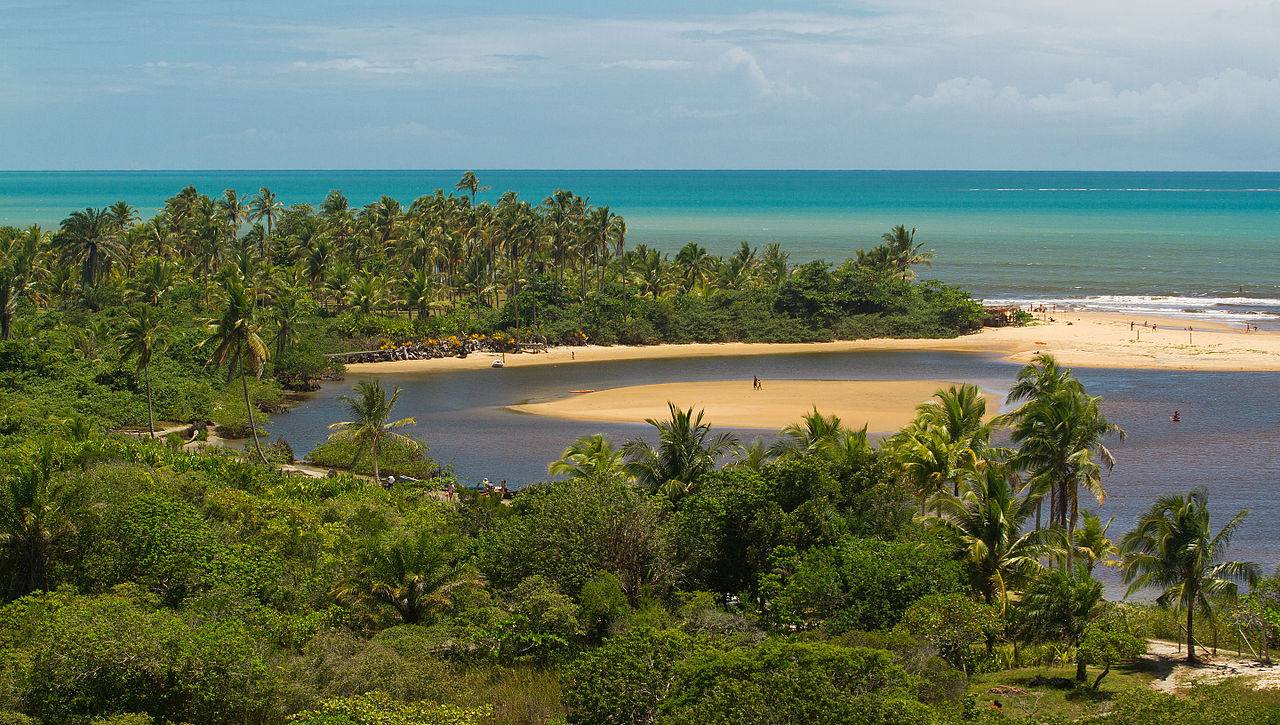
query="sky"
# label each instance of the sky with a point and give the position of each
(971, 84)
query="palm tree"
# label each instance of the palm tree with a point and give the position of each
(903, 251)
(139, 340)
(470, 184)
(686, 451)
(1091, 541)
(92, 237)
(1060, 437)
(1041, 378)
(153, 280)
(931, 461)
(287, 309)
(265, 207)
(752, 456)
(236, 342)
(37, 514)
(1058, 606)
(414, 574)
(590, 457)
(986, 522)
(695, 266)
(371, 422)
(813, 434)
(18, 253)
(1173, 547)
(960, 412)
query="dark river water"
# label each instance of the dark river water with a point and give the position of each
(1228, 439)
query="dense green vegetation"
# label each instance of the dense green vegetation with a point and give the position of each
(682, 577)
(124, 321)
(685, 578)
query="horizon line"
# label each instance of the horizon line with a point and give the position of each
(636, 169)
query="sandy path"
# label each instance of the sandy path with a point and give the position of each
(1174, 674)
(883, 405)
(1084, 339)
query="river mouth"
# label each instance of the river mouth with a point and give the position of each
(1228, 438)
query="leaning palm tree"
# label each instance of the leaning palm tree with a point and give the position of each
(1173, 547)
(686, 451)
(590, 457)
(237, 343)
(414, 574)
(986, 522)
(139, 340)
(371, 422)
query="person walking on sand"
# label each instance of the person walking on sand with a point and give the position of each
(755, 382)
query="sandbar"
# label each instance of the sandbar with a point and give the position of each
(882, 405)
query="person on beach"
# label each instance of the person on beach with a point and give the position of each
(755, 382)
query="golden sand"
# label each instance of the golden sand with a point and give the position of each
(883, 405)
(1083, 339)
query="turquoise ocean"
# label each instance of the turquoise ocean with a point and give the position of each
(1195, 244)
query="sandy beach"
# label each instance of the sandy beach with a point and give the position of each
(1082, 339)
(882, 405)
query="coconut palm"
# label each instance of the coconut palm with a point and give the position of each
(1091, 543)
(418, 288)
(237, 343)
(90, 238)
(1042, 378)
(38, 513)
(153, 280)
(139, 340)
(590, 457)
(1058, 606)
(753, 455)
(414, 574)
(687, 450)
(470, 183)
(265, 207)
(986, 522)
(1061, 443)
(371, 422)
(814, 433)
(695, 266)
(903, 251)
(960, 412)
(18, 254)
(1174, 549)
(931, 462)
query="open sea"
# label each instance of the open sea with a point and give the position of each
(1182, 243)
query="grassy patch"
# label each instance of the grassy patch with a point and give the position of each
(1038, 693)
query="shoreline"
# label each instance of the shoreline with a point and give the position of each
(1077, 339)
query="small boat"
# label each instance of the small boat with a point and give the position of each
(497, 363)
(581, 391)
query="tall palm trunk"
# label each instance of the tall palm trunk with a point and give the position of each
(253, 427)
(1191, 637)
(373, 453)
(151, 415)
